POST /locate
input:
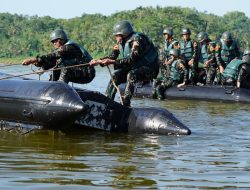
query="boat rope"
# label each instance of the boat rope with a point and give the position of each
(117, 88)
(39, 72)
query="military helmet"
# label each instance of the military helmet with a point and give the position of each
(246, 56)
(226, 36)
(185, 31)
(174, 52)
(202, 36)
(168, 31)
(123, 28)
(58, 34)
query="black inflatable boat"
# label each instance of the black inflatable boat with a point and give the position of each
(56, 105)
(209, 93)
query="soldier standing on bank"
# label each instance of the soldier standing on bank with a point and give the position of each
(189, 51)
(134, 57)
(66, 53)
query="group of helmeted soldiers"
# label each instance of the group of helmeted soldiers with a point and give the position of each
(136, 59)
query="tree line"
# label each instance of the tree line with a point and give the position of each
(22, 35)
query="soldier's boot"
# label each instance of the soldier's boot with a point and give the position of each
(126, 101)
(154, 94)
(160, 93)
(64, 76)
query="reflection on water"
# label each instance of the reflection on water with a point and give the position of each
(215, 156)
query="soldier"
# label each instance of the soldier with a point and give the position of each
(226, 50)
(170, 43)
(66, 53)
(206, 56)
(178, 74)
(189, 51)
(211, 64)
(237, 72)
(134, 57)
(243, 80)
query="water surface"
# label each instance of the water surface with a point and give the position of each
(215, 156)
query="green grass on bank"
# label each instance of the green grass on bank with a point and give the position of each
(15, 60)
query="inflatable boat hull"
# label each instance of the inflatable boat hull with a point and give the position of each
(55, 105)
(209, 93)
(40, 103)
(111, 116)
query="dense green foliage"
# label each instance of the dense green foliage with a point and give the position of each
(22, 36)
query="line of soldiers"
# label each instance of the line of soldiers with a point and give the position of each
(201, 62)
(136, 59)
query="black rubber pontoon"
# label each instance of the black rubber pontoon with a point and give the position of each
(209, 93)
(56, 105)
(109, 115)
(39, 103)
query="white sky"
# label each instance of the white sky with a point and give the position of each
(75, 8)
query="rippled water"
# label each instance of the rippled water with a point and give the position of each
(215, 156)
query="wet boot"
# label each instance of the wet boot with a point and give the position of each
(160, 93)
(154, 94)
(126, 101)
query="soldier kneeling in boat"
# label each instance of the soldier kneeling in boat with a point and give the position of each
(66, 54)
(237, 72)
(178, 75)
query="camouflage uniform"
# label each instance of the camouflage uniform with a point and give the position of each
(136, 61)
(169, 44)
(189, 50)
(238, 71)
(244, 76)
(178, 75)
(207, 61)
(67, 55)
(225, 51)
(231, 72)
(212, 66)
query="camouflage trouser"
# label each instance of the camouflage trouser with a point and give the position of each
(201, 75)
(131, 77)
(192, 72)
(156, 83)
(163, 86)
(218, 77)
(211, 73)
(81, 75)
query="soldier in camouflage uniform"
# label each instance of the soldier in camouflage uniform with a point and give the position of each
(237, 72)
(243, 80)
(226, 50)
(134, 57)
(170, 43)
(189, 51)
(178, 74)
(66, 53)
(207, 62)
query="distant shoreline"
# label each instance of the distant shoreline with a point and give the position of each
(11, 60)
